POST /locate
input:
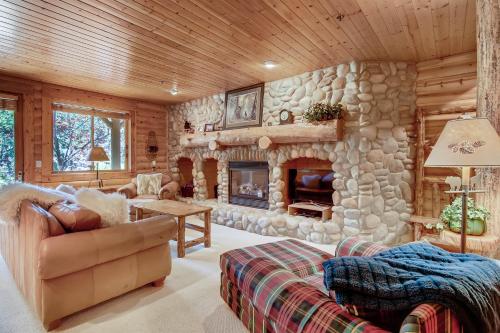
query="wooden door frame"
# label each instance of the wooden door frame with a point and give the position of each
(18, 133)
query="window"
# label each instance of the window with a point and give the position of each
(76, 129)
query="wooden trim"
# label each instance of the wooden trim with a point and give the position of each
(306, 132)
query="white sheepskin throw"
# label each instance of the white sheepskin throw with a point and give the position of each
(112, 208)
(66, 189)
(12, 195)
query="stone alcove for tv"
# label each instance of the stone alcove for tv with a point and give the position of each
(308, 180)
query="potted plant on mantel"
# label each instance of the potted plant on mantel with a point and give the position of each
(321, 112)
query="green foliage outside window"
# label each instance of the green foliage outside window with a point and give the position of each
(7, 147)
(72, 141)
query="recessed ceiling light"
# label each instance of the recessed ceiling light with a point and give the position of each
(174, 91)
(269, 64)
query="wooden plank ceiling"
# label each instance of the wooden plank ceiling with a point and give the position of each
(202, 47)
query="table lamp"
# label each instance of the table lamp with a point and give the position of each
(464, 143)
(97, 154)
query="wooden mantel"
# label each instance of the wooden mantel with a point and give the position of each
(267, 136)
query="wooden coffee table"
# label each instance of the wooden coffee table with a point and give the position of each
(180, 210)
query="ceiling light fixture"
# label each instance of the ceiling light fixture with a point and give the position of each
(269, 64)
(174, 91)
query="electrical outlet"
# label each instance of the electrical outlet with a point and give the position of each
(38, 164)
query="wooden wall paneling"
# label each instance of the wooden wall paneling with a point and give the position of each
(488, 96)
(38, 98)
(203, 47)
(445, 88)
(419, 174)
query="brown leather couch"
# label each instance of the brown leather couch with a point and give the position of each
(60, 275)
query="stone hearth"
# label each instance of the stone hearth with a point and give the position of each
(373, 163)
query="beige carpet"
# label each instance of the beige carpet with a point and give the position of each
(188, 303)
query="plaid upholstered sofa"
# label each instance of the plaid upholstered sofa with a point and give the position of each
(278, 287)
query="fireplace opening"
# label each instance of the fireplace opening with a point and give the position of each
(249, 184)
(309, 180)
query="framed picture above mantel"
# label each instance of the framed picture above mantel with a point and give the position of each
(244, 107)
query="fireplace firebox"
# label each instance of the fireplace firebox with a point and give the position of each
(249, 184)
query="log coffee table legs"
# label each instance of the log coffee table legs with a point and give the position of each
(181, 237)
(181, 234)
(181, 211)
(207, 231)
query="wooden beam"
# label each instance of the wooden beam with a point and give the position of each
(283, 134)
(488, 97)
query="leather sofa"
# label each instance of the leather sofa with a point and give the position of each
(60, 275)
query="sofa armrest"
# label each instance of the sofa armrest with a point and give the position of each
(291, 303)
(168, 191)
(80, 250)
(129, 190)
(354, 246)
(431, 318)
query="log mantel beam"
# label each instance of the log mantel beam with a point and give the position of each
(283, 134)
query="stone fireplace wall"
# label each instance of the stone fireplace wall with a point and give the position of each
(373, 163)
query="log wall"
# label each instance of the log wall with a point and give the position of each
(446, 88)
(37, 98)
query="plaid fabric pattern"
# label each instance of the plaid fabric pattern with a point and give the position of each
(354, 246)
(299, 258)
(431, 318)
(277, 287)
(290, 304)
(243, 308)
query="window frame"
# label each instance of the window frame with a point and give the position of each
(93, 112)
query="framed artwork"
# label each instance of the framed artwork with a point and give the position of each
(244, 107)
(209, 127)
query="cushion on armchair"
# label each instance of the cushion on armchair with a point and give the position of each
(149, 183)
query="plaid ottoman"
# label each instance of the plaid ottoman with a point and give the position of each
(277, 287)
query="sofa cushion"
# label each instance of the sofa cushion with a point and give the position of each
(74, 217)
(55, 227)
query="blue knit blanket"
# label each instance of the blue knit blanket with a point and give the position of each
(406, 276)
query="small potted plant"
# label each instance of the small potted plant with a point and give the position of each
(476, 217)
(323, 112)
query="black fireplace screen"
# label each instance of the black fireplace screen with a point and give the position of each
(249, 184)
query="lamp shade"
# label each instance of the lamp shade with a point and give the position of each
(466, 142)
(97, 154)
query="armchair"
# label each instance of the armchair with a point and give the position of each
(169, 189)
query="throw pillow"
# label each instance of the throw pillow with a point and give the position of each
(74, 217)
(311, 181)
(113, 207)
(149, 183)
